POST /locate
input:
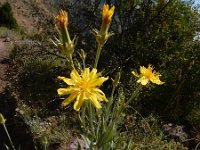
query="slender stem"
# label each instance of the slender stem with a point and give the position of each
(134, 94)
(71, 61)
(45, 147)
(124, 105)
(68, 36)
(11, 143)
(110, 103)
(91, 119)
(83, 63)
(82, 119)
(67, 42)
(45, 143)
(112, 94)
(97, 55)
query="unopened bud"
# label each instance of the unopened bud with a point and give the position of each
(82, 54)
(117, 78)
(2, 119)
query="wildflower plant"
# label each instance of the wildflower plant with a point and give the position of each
(3, 123)
(99, 121)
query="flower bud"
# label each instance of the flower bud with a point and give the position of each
(2, 119)
(62, 19)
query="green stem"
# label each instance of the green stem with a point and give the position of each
(45, 143)
(71, 61)
(11, 143)
(82, 119)
(97, 55)
(110, 102)
(65, 35)
(112, 94)
(83, 63)
(68, 36)
(91, 119)
(124, 105)
(134, 94)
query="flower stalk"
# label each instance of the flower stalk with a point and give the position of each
(64, 43)
(134, 95)
(99, 48)
(3, 122)
(111, 102)
(103, 35)
(83, 57)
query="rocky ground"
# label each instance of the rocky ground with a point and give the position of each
(30, 15)
(4, 43)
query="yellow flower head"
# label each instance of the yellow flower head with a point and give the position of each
(147, 74)
(62, 18)
(107, 14)
(83, 87)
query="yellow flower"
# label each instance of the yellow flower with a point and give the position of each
(107, 14)
(147, 74)
(83, 87)
(62, 18)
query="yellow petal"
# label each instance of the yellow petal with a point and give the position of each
(107, 14)
(135, 73)
(150, 67)
(112, 9)
(156, 80)
(64, 91)
(95, 102)
(99, 81)
(79, 101)
(67, 80)
(62, 18)
(100, 95)
(143, 80)
(75, 76)
(68, 100)
(86, 73)
(93, 74)
(143, 70)
(105, 9)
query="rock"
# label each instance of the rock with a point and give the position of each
(175, 131)
(185, 134)
(7, 39)
(5, 61)
(76, 143)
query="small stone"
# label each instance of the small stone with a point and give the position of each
(7, 39)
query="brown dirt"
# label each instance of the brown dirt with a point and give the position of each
(30, 14)
(3, 66)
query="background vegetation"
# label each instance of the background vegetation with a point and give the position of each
(7, 18)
